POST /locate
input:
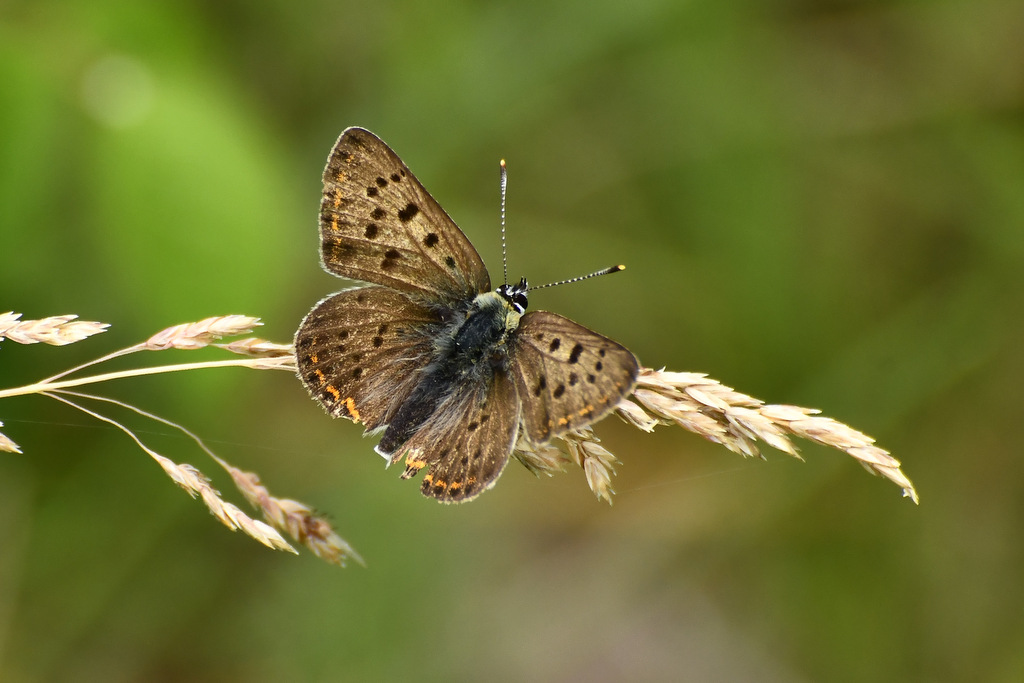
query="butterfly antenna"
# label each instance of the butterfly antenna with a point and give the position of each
(605, 271)
(504, 254)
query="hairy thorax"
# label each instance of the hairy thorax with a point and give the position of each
(481, 339)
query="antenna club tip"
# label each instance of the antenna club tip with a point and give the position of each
(502, 163)
(620, 267)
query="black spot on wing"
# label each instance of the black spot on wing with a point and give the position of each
(391, 257)
(574, 355)
(408, 213)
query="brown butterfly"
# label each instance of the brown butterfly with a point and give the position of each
(449, 370)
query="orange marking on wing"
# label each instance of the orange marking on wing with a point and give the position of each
(330, 388)
(410, 471)
(350, 406)
(314, 358)
(319, 375)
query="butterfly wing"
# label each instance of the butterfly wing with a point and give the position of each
(567, 376)
(360, 352)
(378, 224)
(469, 443)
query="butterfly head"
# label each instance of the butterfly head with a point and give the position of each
(515, 295)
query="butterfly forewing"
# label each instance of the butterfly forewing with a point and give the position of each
(360, 352)
(378, 224)
(567, 376)
(468, 445)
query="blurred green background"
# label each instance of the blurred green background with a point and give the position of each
(820, 203)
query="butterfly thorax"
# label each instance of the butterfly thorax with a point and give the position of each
(483, 335)
(491, 319)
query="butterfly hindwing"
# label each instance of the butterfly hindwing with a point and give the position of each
(468, 445)
(378, 224)
(567, 375)
(360, 352)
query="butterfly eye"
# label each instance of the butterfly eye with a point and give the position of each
(515, 295)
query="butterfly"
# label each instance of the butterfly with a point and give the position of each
(449, 371)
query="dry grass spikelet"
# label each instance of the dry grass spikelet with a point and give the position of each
(580, 447)
(195, 484)
(598, 462)
(7, 444)
(259, 348)
(57, 330)
(544, 458)
(199, 334)
(296, 519)
(737, 421)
